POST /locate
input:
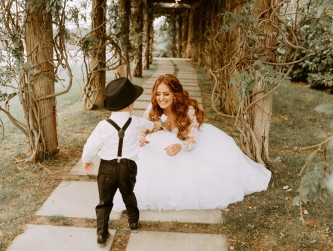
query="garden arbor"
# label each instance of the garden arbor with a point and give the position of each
(217, 34)
(239, 43)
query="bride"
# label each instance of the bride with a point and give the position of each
(189, 164)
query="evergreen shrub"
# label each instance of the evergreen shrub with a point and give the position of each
(317, 67)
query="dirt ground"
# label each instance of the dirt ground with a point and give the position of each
(263, 221)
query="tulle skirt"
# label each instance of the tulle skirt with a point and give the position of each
(212, 175)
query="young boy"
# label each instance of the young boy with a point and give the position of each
(116, 141)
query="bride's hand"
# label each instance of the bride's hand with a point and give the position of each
(172, 150)
(143, 141)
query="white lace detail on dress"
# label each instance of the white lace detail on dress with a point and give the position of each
(191, 132)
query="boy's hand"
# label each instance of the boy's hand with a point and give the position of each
(143, 141)
(88, 167)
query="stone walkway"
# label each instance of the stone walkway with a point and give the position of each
(77, 199)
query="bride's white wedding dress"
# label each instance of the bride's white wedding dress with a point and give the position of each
(212, 174)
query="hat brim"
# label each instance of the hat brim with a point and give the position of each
(138, 92)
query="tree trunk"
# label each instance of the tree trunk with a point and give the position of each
(185, 18)
(262, 110)
(258, 111)
(94, 88)
(146, 33)
(137, 28)
(40, 111)
(180, 37)
(173, 36)
(229, 59)
(151, 36)
(224, 56)
(261, 117)
(124, 15)
(190, 38)
(200, 45)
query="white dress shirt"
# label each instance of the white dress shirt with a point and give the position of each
(104, 138)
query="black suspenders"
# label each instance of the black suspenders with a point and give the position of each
(121, 134)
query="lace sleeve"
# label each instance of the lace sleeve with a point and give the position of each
(191, 132)
(143, 133)
(147, 111)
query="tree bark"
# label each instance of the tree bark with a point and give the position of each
(124, 15)
(258, 112)
(94, 88)
(180, 35)
(261, 114)
(185, 18)
(173, 36)
(200, 46)
(262, 110)
(190, 38)
(152, 33)
(137, 29)
(146, 33)
(40, 112)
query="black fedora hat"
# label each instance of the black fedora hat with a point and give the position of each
(120, 93)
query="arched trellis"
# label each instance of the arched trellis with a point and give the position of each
(198, 36)
(225, 54)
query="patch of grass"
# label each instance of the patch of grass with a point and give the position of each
(60, 220)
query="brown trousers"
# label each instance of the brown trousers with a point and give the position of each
(111, 176)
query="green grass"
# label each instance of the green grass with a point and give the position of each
(61, 220)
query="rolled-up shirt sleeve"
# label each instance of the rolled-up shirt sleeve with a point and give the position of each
(145, 124)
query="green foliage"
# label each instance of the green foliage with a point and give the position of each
(317, 68)
(254, 68)
(314, 187)
(247, 22)
(234, 20)
(259, 72)
(315, 183)
(54, 6)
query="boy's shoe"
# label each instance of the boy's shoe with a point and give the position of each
(102, 240)
(134, 227)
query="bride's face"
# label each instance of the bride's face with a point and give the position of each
(164, 96)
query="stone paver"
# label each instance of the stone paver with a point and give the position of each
(209, 216)
(58, 238)
(76, 199)
(170, 241)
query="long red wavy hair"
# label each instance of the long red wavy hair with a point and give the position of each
(180, 106)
